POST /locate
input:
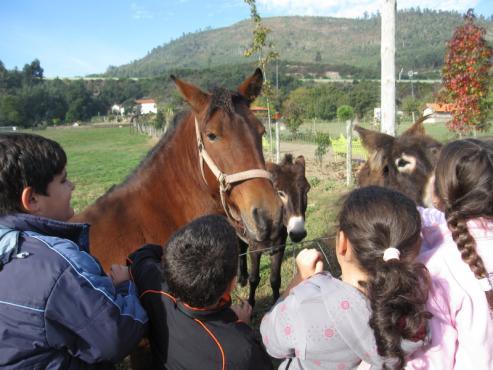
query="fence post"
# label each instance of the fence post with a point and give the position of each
(349, 152)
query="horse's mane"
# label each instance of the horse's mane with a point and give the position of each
(221, 98)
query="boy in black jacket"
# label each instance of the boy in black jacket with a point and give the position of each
(192, 322)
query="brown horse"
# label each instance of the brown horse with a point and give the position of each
(292, 187)
(403, 163)
(173, 185)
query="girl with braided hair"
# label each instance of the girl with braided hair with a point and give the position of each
(376, 313)
(458, 252)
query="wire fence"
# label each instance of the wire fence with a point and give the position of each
(326, 246)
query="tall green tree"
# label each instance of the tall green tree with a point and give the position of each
(465, 76)
(32, 73)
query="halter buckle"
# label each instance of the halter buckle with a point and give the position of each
(224, 184)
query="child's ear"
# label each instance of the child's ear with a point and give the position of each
(29, 200)
(343, 247)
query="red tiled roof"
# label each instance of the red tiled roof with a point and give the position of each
(145, 101)
(441, 107)
(254, 108)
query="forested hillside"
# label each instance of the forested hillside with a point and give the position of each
(314, 44)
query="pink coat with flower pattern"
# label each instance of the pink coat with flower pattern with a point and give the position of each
(323, 324)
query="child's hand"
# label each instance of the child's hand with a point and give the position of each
(243, 311)
(119, 274)
(309, 262)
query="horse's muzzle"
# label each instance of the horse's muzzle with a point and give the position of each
(265, 227)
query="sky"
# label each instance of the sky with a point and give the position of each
(79, 37)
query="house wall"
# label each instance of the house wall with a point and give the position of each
(148, 108)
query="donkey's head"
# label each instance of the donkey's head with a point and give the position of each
(292, 187)
(403, 163)
(229, 141)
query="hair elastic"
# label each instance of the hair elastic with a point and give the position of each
(391, 253)
(485, 284)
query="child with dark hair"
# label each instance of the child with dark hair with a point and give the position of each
(376, 314)
(458, 252)
(58, 310)
(193, 324)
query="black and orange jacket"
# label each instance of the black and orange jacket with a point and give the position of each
(183, 337)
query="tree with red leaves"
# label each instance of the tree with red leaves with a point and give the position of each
(465, 77)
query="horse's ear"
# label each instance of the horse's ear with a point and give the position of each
(197, 99)
(417, 128)
(373, 140)
(252, 86)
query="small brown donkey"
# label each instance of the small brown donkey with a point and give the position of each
(403, 163)
(292, 187)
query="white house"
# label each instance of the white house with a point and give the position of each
(147, 106)
(118, 109)
(438, 112)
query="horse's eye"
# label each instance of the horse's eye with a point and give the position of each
(211, 136)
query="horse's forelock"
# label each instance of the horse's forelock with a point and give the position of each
(225, 100)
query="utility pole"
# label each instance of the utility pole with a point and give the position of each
(278, 134)
(387, 53)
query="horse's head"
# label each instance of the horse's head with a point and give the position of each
(229, 141)
(292, 187)
(403, 163)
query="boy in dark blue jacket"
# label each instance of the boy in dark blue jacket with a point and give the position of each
(192, 322)
(58, 309)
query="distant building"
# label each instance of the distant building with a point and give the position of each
(147, 106)
(258, 109)
(118, 109)
(438, 112)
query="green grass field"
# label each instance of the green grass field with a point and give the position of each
(98, 158)
(336, 128)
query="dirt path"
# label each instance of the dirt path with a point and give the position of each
(333, 166)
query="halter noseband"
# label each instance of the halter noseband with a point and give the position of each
(225, 181)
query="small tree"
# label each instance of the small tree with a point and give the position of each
(266, 53)
(465, 76)
(323, 143)
(345, 113)
(159, 120)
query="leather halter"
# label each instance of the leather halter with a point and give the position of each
(225, 180)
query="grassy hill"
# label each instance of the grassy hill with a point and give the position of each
(314, 45)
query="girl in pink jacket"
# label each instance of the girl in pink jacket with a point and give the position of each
(458, 251)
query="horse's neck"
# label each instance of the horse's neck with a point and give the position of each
(175, 170)
(173, 175)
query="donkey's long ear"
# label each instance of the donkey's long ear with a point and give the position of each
(417, 128)
(251, 87)
(373, 140)
(197, 99)
(300, 160)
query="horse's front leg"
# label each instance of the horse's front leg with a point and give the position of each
(254, 277)
(242, 264)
